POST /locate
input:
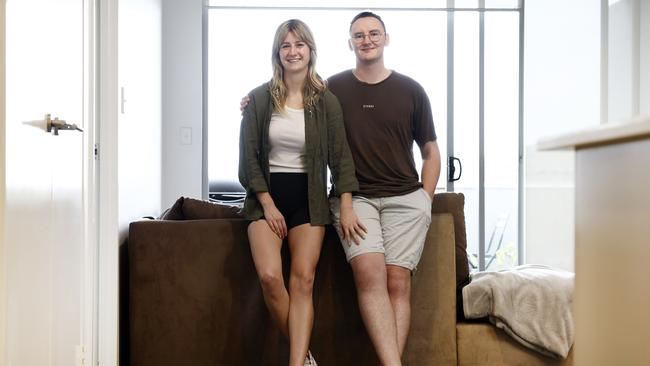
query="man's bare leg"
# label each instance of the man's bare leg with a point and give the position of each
(376, 310)
(399, 292)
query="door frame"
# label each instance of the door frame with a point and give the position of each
(107, 315)
(3, 190)
(99, 290)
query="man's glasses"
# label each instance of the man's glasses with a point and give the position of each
(373, 36)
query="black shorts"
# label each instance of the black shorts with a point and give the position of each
(289, 193)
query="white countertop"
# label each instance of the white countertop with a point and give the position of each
(608, 133)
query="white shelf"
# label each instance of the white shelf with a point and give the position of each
(604, 134)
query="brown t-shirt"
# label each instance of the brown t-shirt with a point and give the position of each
(382, 120)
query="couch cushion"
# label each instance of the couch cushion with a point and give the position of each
(175, 212)
(454, 203)
(186, 208)
(194, 209)
(485, 345)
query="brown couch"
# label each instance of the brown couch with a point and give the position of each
(194, 298)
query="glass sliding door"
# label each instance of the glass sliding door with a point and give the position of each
(501, 126)
(466, 58)
(466, 122)
(486, 133)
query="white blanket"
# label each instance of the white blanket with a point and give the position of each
(532, 303)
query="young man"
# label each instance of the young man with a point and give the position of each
(384, 113)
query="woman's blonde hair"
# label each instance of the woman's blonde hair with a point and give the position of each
(314, 84)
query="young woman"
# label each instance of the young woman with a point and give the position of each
(291, 131)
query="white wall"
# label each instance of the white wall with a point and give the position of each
(3, 276)
(644, 55)
(550, 209)
(182, 99)
(139, 119)
(562, 94)
(629, 60)
(623, 60)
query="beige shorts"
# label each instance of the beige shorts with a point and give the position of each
(397, 227)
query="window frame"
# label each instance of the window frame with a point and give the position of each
(450, 9)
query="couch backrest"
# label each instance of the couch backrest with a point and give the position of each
(186, 208)
(432, 337)
(454, 203)
(195, 300)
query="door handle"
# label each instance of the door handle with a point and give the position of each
(451, 169)
(52, 125)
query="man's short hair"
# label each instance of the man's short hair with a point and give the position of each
(367, 14)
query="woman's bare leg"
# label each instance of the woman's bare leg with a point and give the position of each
(305, 242)
(265, 248)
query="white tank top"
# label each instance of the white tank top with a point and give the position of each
(287, 141)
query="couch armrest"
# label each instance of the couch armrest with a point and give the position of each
(432, 340)
(194, 295)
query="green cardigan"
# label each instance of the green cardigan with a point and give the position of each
(325, 144)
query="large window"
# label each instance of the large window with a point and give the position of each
(467, 60)
(240, 59)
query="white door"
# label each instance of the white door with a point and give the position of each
(45, 246)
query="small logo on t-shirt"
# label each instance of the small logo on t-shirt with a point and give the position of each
(368, 106)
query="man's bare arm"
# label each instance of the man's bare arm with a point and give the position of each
(430, 166)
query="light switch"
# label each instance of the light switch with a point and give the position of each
(186, 135)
